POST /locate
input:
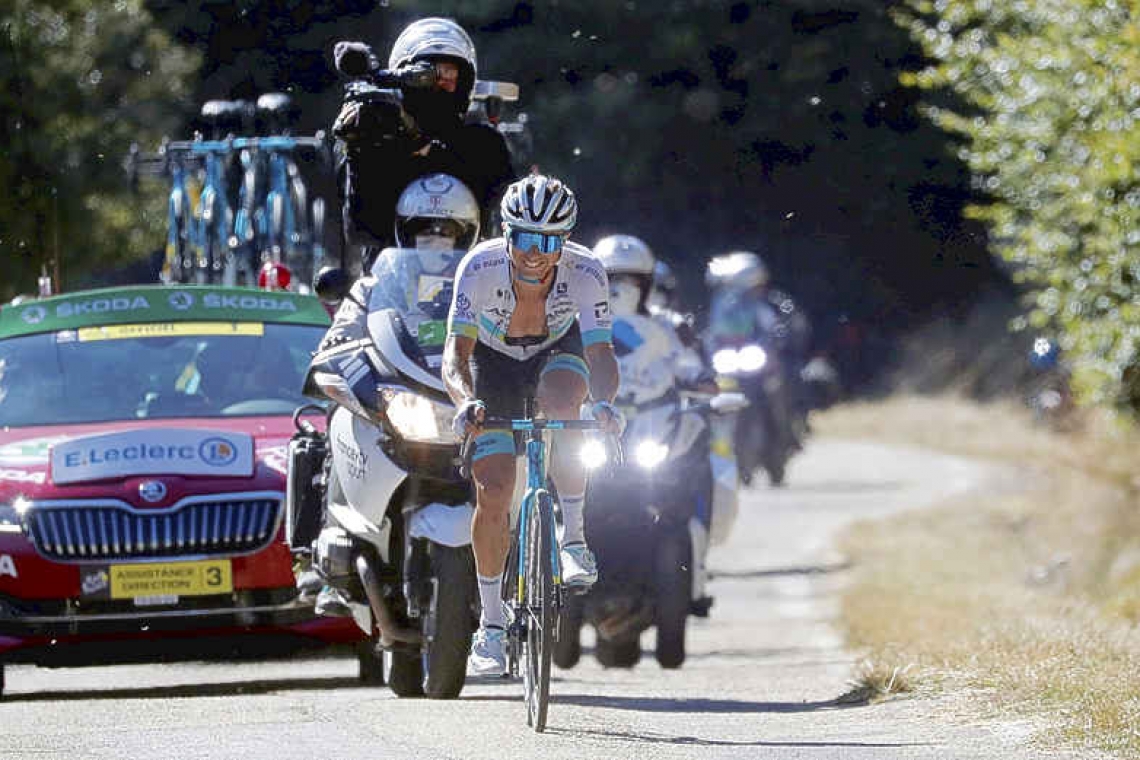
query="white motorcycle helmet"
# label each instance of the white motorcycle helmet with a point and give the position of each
(629, 264)
(434, 38)
(437, 211)
(737, 269)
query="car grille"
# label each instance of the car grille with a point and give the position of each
(93, 532)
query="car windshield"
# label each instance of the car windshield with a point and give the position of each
(418, 285)
(154, 371)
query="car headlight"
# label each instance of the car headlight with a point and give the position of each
(417, 417)
(649, 454)
(8, 516)
(593, 454)
(11, 514)
(725, 361)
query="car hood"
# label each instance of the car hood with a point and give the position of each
(124, 459)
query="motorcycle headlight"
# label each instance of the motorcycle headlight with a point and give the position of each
(417, 417)
(649, 454)
(726, 361)
(593, 454)
(752, 358)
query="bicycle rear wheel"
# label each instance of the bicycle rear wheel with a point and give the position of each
(541, 610)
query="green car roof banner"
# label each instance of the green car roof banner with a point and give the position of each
(159, 303)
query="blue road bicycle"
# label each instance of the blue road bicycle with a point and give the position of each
(275, 221)
(532, 582)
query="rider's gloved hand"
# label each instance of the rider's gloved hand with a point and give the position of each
(468, 417)
(609, 415)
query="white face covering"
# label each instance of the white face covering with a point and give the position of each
(624, 297)
(435, 243)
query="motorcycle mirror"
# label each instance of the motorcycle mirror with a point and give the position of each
(729, 402)
(331, 285)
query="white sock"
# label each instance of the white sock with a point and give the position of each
(491, 599)
(573, 521)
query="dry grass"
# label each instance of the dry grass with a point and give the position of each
(1030, 593)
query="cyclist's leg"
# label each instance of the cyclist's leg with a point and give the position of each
(501, 383)
(562, 389)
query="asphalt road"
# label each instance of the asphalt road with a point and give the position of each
(761, 680)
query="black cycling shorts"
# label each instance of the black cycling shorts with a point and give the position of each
(508, 386)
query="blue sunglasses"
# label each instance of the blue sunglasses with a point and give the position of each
(524, 240)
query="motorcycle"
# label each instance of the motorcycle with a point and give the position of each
(647, 520)
(386, 514)
(763, 436)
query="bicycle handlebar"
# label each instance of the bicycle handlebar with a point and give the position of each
(467, 446)
(526, 425)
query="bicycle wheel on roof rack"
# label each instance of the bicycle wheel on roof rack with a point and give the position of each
(178, 262)
(540, 608)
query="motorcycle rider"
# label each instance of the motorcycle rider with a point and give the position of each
(384, 145)
(743, 305)
(664, 304)
(529, 320)
(654, 361)
(436, 212)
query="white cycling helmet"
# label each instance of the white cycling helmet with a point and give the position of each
(437, 204)
(738, 269)
(541, 204)
(625, 254)
(436, 37)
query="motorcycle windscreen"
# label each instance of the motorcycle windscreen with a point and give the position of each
(416, 286)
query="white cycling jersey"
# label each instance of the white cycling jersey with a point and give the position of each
(484, 300)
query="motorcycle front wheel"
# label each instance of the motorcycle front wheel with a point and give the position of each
(454, 571)
(672, 592)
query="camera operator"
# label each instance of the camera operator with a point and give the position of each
(388, 137)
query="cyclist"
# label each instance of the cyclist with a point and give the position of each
(373, 167)
(654, 360)
(529, 320)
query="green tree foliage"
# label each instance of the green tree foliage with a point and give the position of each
(1051, 108)
(80, 80)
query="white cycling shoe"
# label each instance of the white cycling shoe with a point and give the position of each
(488, 655)
(578, 567)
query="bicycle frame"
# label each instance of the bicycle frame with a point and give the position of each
(535, 485)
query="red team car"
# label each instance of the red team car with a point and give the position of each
(143, 436)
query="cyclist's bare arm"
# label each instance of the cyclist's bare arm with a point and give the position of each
(457, 350)
(604, 374)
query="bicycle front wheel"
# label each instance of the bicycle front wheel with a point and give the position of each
(541, 609)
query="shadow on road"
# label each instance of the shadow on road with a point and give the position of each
(780, 572)
(265, 686)
(696, 741)
(659, 704)
(844, 487)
